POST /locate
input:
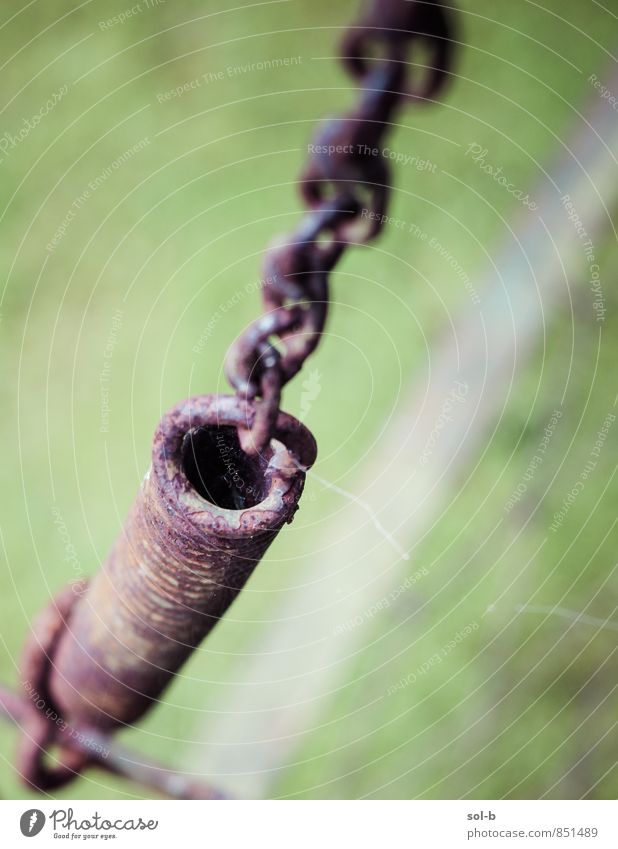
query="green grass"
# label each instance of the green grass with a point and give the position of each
(513, 710)
(171, 235)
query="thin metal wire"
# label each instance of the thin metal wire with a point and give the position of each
(108, 755)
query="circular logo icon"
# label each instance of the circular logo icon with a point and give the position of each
(31, 822)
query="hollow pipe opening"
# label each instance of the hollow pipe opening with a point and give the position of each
(180, 560)
(220, 471)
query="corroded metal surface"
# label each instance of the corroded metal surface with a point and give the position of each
(87, 747)
(180, 560)
(41, 722)
(346, 185)
(226, 472)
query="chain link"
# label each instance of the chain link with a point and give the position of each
(346, 185)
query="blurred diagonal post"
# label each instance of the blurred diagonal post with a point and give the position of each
(300, 661)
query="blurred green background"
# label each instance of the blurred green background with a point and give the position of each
(528, 702)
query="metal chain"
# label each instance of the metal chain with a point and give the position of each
(346, 185)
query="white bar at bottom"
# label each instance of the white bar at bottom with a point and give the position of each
(311, 824)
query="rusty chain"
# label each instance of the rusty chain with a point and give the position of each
(105, 674)
(346, 186)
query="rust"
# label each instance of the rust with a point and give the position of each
(389, 27)
(91, 748)
(204, 516)
(42, 724)
(346, 185)
(226, 472)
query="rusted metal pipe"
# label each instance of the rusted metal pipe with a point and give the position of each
(204, 516)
